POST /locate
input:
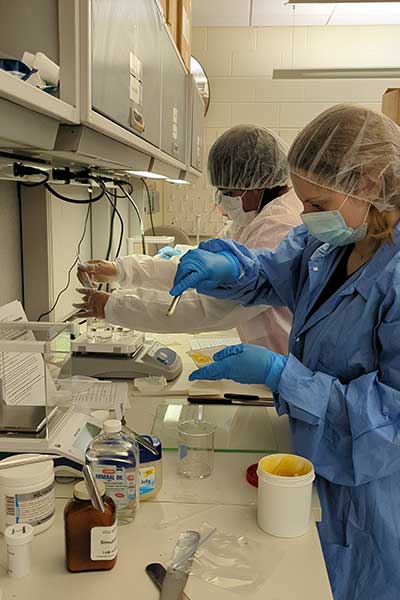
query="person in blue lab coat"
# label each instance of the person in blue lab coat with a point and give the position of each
(339, 274)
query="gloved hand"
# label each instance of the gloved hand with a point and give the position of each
(244, 363)
(168, 252)
(93, 303)
(98, 271)
(205, 269)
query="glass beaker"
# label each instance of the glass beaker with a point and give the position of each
(123, 335)
(195, 448)
(98, 330)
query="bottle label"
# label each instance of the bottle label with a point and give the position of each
(120, 483)
(103, 542)
(147, 480)
(34, 508)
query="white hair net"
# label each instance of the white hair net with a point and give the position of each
(248, 157)
(352, 150)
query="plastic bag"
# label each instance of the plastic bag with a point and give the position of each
(235, 563)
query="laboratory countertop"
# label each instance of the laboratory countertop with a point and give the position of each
(226, 486)
(181, 343)
(291, 568)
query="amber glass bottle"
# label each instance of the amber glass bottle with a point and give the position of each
(90, 535)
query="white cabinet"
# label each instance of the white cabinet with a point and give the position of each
(126, 65)
(21, 128)
(173, 98)
(125, 99)
(125, 52)
(51, 27)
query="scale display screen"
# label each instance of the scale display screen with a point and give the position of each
(85, 436)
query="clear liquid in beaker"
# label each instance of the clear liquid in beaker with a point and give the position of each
(195, 449)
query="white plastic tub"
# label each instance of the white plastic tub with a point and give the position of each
(27, 495)
(284, 494)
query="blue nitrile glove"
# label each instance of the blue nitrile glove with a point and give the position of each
(168, 252)
(245, 363)
(206, 268)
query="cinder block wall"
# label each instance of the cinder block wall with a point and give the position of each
(239, 62)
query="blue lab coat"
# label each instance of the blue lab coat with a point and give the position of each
(341, 390)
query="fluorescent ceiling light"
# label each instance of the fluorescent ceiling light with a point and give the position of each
(146, 174)
(178, 181)
(362, 73)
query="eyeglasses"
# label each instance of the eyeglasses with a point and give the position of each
(230, 193)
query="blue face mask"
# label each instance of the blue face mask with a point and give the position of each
(330, 227)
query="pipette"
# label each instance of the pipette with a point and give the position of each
(97, 500)
(85, 278)
(173, 305)
(20, 461)
(140, 439)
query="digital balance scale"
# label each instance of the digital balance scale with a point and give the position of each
(69, 433)
(128, 358)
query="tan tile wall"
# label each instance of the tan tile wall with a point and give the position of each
(239, 62)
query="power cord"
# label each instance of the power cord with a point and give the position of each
(111, 234)
(44, 181)
(139, 216)
(65, 175)
(119, 182)
(21, 237)
(123, 182)
(114, 212)
(114, 205)
(70, 269)
(150, 208)
(121, 237)
(76, 200)
(21, 170)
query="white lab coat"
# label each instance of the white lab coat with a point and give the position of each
(143, 299)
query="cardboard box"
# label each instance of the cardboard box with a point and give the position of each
(391, 104)
(163, 4)
(172, 18)
(184, 41)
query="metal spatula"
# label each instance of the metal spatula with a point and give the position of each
(178, 571)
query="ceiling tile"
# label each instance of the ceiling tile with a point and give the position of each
(220, 13)
(368, 8)
(277, 13)
(365, 20)
(384, 13)
(279, 20)
(309, 9)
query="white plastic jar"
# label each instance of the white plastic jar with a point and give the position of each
(284, 494)
(27, 495)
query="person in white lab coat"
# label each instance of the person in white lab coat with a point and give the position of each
(247, 165)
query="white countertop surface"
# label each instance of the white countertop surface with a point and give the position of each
(294, 568)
